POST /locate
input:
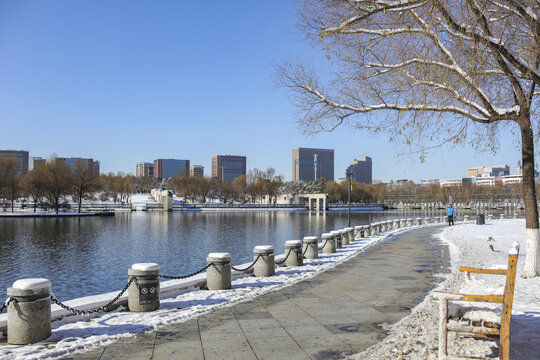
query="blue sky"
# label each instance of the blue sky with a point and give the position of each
(130, 81)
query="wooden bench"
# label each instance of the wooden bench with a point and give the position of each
(485, 328)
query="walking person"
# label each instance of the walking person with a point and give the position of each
(450, 212)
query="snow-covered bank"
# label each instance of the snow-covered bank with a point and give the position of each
(31, 213)
(76, 333)
(416, 336)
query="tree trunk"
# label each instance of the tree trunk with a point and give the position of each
(532, 234)
(80, 202)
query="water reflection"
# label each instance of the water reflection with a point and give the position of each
(90, 255)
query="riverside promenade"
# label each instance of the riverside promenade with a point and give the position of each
(337, 313)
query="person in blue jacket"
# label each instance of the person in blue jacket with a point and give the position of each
(450, 212)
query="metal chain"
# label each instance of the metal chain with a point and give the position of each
(186, 276)
(249, 267)
(95, 310)
(305, 251)
(323, 245)
(6, 303)
(286, 257)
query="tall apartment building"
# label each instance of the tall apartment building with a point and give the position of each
(144, 169)
(20, 159)
(165, 168)
(228, 167)
(361, 170)
(196, 171)
(312, 164)
(89, 163)
(37, 161)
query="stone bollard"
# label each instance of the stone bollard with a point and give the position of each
(311, 248)
(515, 215)
(265, 266)
(329, 243)
(490, 217)
(358, 232)
(403, 223)
(337, 238)
(374, 229)
(395, 224)
(465, 217)
(427, 220)
(29, 313)
(367, 230)
(502, 217)
(436, 220)
(350, 230)
(295, 257)
(418, 221)
(218, 275)
(143, 293)
(383, 226)
(409, 222)
(389, 224)
(344, 237)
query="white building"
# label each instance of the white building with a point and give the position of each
(485, 181)
(428, 182)
(451, 182)
(512, 179)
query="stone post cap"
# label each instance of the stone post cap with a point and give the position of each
(32, 287)
(32, 284)
(310, 239)
(335, 232)
(343, 231)
(358, 227)
(263, 249)
(145, 267)
(327, 236)
(349, 229)
(293, 243)
(219, 257)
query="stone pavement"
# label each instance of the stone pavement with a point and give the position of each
(337, 313)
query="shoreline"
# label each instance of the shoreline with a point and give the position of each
(416, 335)
(92, 331)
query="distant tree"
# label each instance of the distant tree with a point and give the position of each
(58, 180)
(226, 192)
(84, 180)
(334, 191)
(144, 184)
(34, 184)
(7, 171)
(240, 189)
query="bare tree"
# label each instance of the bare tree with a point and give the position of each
(34, 184)
(84, 180)
(58, 180)
(429, 73)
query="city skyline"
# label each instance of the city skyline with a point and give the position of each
(109, 89)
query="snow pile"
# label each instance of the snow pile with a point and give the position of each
(416, 336)
(80, 333)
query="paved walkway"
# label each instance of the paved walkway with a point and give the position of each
(337, 313)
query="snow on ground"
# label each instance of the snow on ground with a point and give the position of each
(416, 336)
(80, 333)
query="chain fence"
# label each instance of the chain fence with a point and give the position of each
(323, 245)
(103, 308)
(249, 267)
(286, 257)
(6, 304)
(186, 276)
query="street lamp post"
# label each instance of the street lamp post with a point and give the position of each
(349, 174)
